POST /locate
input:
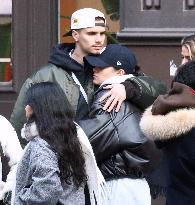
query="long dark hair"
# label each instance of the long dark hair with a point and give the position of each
(54, 120)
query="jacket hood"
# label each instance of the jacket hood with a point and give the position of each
(61, 58)
(169, 126)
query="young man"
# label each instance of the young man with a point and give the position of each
(88, 28)
(124, 155)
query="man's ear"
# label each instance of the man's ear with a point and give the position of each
(75, 35)
(121, 72)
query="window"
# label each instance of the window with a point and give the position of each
(5, 43)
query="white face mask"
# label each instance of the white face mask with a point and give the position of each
(29, 131)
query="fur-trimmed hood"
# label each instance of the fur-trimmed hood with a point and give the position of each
(169, 126)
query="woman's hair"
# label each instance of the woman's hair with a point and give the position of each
(189, 43)
(54, 120)
(186, 74)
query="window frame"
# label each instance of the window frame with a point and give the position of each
(6, 60)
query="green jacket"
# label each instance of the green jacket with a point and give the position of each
(48, 73)
(149, 90)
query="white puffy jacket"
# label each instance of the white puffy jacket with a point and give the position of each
(12, 150)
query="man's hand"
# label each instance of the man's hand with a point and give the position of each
(116, 95)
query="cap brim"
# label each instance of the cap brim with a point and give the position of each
(96, 61)
(69, 33)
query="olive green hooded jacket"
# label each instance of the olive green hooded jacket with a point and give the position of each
(59, 71)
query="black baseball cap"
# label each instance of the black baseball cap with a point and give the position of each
(115, 55)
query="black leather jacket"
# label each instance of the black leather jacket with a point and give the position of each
(120, 147)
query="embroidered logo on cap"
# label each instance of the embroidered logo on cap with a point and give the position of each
(75, 21)
(119, 63)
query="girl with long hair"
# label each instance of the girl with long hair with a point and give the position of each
(58, 161)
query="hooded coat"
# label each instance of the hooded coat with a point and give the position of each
(59, 69)
(174, 131)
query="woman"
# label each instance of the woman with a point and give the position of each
(188, 48)
(171, 123)
(124, 155)
(11, 149)
(58, 161)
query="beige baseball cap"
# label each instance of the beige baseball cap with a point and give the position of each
(85, 18)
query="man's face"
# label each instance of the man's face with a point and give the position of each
(91, 40)
(102, 74)
(185, 54)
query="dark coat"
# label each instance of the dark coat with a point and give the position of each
(175, 133)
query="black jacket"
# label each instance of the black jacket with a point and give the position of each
(120, 147)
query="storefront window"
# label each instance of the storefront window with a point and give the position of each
(5, 43)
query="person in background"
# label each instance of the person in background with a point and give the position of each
(124, 155)
(66, 67)
(187, 54)
(58, 160)
(170, 122)
(11, 149)
(188, 48)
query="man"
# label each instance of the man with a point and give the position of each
(124, 155)
(66, 67)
